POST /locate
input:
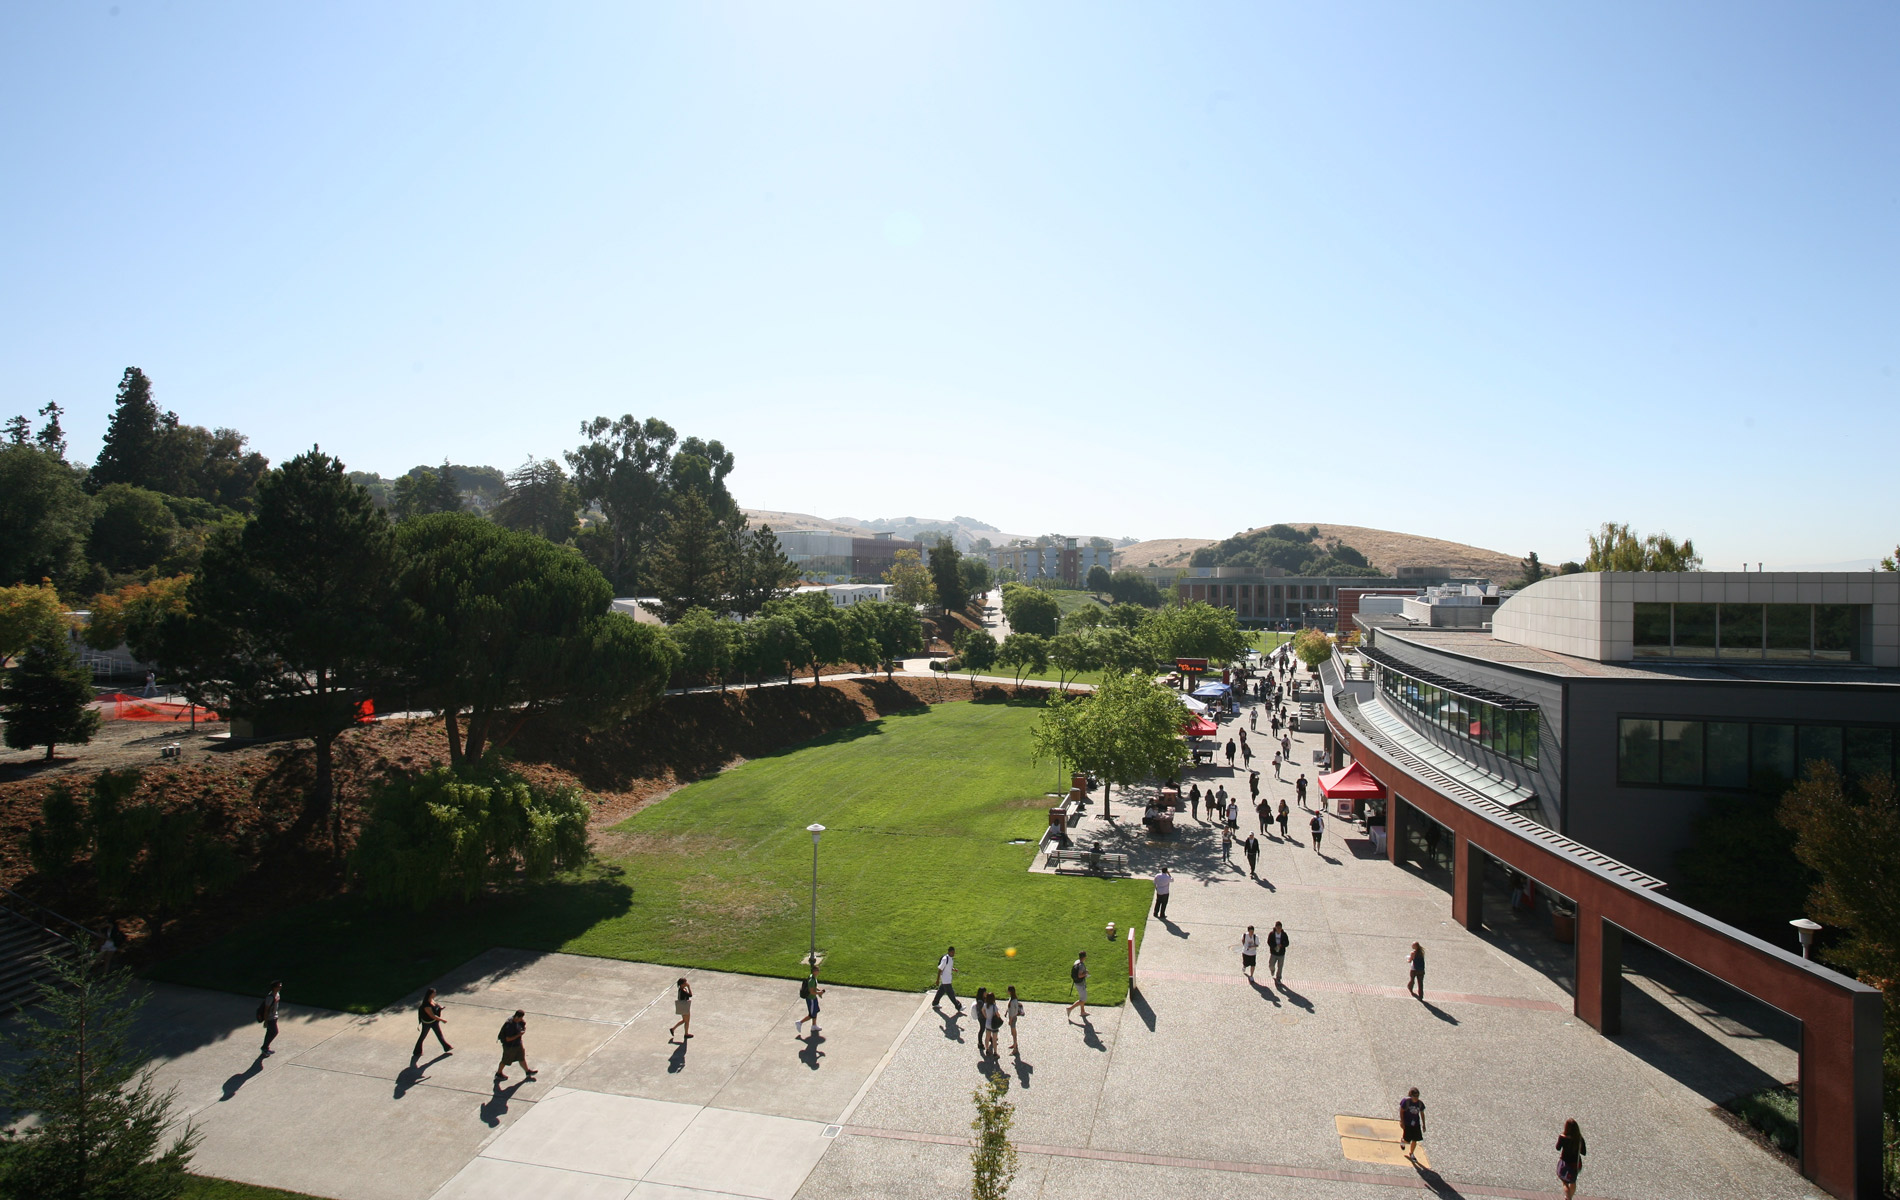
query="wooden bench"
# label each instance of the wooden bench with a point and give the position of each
(1088, 860)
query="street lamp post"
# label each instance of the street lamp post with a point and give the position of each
(1806, 929)
(815, 831)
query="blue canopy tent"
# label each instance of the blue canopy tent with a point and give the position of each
(1213, 691)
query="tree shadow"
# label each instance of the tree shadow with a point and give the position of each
(243, 1077)
(1142, 1008)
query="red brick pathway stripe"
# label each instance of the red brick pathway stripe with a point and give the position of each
(1363, 989)
(1214, 1164)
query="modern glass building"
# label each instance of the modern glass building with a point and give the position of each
(1610, 706)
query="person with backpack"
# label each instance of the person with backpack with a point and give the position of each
(809, 991)
(1277, 942)
(1249, 951)
(514, 1047)
(430, 1020)
(267, 1016)
(1319, 830)
(1299, 789)
(1411, 1124)
(1079, 976)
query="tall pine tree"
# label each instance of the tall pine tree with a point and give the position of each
(132, 434)
(692, 567)
(45, 702)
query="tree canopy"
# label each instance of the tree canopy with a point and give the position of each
(540, 499)
(1194, 630)
(946, 575)
(1618, 548)
(29, 613)
(45, 516)
(1030, 610)
(909, 579)
(1127, 730)
(45, 699)
(1293, 551)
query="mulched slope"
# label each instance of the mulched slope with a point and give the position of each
(253, 796)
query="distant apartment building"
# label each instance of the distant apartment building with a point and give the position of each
(824, 556)
(1063, 559)
(844, 595)
(1261, 598)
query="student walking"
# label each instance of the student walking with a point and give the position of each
(1012, 1012)
(1164, 883)
(809, 991)
(1233, 814)
(1253, 719)
(1276, 767)
(267, 1016)
(1284, 813)
(1194, 800)
(1263, 809)
(1253, 786)
(1411, 1124)
(1570, 1151)
(430, 1019)
(1246, 755)
(1230, 752)
(1415, 978)
(1226, 844)
(993, 1022)
(1277, 942)
(1249, 948)
(946, 978)
(683, 1006)
(1252, 849)
(1319, 830)
(980, 1009)
(514, 1048)
(1079, 976)
(1299, 789)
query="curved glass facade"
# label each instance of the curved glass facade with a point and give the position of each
(1511, 732)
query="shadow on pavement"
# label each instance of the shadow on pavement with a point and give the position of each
(243, 1077)
(1142, 1008)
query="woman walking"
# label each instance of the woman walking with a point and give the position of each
(1411, 1124)
(683, 1005)
(1570, 1152)
(430, 1019)
(1013, 1010)
(1284, 814)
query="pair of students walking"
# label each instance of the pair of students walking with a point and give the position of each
(1277, 942)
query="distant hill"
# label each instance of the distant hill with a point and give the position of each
(1383, 548)
(965, 530)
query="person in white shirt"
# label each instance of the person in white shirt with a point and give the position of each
(1249, 947)
(1164, 883)
(1079, 976)
(946, 978)
(1012, 1011)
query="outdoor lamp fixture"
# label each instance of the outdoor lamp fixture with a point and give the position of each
(815, 831)
(1807, 929)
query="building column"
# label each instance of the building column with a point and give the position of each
(1599, 1001)
(1394, 828)
(1467, 884)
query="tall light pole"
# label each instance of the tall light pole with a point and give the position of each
(816, 831)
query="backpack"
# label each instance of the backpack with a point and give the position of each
(502, 1036)
(804, 988)
(263, 1011)
(1075, 971)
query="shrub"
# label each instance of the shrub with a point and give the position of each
(448, 834)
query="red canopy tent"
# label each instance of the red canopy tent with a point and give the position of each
(1202, 727)
(1352, 783)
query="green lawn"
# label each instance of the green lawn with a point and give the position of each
(921, 810)
(1264, 640)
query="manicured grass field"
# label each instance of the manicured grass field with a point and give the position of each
(921, 811)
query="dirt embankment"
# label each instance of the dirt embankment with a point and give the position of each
(252, 797)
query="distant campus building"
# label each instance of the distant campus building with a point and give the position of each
(824, 556)
(1063, 559)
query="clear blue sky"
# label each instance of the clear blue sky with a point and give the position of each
(1488, 272)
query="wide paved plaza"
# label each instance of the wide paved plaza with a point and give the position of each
(1203, 1085)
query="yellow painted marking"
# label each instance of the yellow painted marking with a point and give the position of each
(1373, 1140)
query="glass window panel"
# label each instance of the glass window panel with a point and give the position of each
(1514, 736)
(1819, 744)
(1681, 752)
(1530, 738)
(1771, 748)
(1741, 631)
(1837, 632)
(1651, 634)
(1869, 752)
(1789, 630)
(1636, 757)
(1726, 754)
(1695, 631)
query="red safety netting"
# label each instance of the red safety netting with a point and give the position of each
(118, 706)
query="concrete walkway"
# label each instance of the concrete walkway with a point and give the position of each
(1203, 1085)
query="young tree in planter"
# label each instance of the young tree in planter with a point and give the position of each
(1313, 647)
(993, 1157)
(101, 1124)
(290, 617)
(45, 699)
